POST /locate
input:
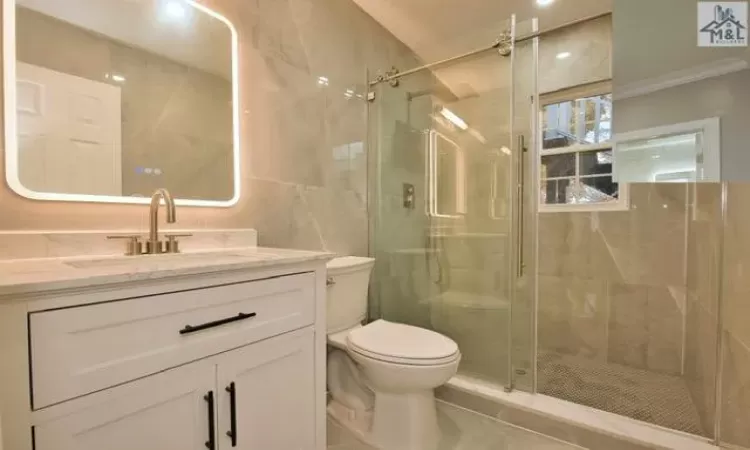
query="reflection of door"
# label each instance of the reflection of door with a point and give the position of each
(68, 133)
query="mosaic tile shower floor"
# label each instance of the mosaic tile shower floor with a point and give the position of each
(656, 398)
(463, 430)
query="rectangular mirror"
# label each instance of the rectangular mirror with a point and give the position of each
(109, 100)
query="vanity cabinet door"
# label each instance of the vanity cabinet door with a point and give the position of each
(166, 411)
(273, 384)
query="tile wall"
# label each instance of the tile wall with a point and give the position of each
(612, 285)
(735, 359)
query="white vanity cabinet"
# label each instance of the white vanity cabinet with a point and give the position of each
(270, 396)
(165, 411)
(272, 405)
(222, 361)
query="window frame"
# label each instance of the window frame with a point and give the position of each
(572, 94)
(710, 130)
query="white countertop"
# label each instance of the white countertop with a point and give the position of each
(24, 276)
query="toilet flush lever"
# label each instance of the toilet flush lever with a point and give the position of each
(330, 281)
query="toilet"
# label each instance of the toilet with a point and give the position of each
(382, 376)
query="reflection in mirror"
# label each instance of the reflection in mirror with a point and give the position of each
(683, 152)
(116, 98)
(668, 159)
(446, 177)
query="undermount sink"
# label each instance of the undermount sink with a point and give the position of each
(176, 258)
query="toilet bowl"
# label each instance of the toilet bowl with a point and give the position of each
(381, 376)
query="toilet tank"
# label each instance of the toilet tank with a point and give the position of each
(348, 280)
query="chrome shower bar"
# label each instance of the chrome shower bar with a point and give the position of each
(497, 45)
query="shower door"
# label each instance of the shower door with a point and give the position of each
(444, 176)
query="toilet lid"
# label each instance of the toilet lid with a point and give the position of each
(395, 342)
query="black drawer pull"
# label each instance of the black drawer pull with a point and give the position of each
(211, 442)
(232, 433)
(217, 323)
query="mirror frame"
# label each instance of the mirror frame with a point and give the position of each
(11, 123)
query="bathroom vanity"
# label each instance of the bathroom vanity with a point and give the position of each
(212, 350)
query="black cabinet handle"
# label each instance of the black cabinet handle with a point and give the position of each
(211, 442)
(217, 323)
(232, 433)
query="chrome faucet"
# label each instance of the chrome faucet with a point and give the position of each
(154, 245)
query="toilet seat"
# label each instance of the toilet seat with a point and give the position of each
(402, 344)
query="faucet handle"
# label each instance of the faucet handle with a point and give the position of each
(133, 246)
(173, 245)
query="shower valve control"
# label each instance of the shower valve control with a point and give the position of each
(408, 194)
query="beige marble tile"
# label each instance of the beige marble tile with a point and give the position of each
(341, 218)
(573, 316)
(666, 306)
(628, 327)
(735, 404)
(281, 216)
(591, 56)
(701, 363)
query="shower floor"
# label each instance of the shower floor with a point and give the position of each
(656, 398)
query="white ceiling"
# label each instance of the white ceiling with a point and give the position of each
(195, 39)
(437, 29)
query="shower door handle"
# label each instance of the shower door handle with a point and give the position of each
(521, 265)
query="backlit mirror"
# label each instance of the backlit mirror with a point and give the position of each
(446, 177)
(108, 100)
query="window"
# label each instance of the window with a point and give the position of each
(680, 152)
(576, 157)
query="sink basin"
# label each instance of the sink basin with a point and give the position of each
(161, 260)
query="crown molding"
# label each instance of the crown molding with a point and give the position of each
(680, 77)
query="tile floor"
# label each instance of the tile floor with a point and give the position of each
(464, 430)
(652, 397)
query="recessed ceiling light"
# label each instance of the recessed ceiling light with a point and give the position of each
(563, 55)
(544, 2)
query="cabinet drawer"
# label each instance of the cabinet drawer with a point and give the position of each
(84, 349)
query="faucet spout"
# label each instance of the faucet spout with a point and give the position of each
(154, 245)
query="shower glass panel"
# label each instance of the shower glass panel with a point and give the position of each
(443, 171)
(525, 98)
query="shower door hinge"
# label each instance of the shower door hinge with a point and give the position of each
(504, 43)
(389, 77)
(370, 96)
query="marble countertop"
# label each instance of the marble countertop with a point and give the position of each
(25, 276)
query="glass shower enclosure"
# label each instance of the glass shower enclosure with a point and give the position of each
(450, 208)
(618, 311)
